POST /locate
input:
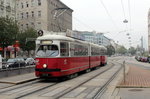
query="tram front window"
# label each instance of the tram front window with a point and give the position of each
(47, 51)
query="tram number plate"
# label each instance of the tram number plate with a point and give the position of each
(44, 74)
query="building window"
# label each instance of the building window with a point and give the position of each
(17, 16)
(32, 24)
(27, 4)
(21, 5)
(17, 5)
(2, 2)
(22, 15)
(22, 26)
(27, 14)
(32, 3)
(27, 25)
(39, 13)
(39, 25)
(2, 8)
(39, 2)
(32, 13)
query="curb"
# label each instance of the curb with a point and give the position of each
(122, 86)
(19, 82)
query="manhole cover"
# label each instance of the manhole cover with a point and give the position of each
(135, 90)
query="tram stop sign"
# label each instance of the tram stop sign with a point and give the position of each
(40, 33)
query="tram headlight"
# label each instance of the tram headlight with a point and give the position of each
(44, 65)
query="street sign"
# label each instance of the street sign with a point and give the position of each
(40, 33)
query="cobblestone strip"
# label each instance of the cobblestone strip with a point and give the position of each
(137, 77)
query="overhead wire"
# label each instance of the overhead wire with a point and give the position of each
(123, 9)
(85, 25)
(125, 18)
(129, 10)
(102, 3)
(129, 6)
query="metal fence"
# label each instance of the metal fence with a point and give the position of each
(14, 65)
(18, 70)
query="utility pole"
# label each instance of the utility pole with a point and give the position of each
(142, 45)
(57, 13)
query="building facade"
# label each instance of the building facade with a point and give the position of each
(93, 37)
(39, 14)
(102, 40)
(89, 36)
(149, 31)
(8, 8)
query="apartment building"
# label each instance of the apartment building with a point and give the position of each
(39, 14)
(7, 8)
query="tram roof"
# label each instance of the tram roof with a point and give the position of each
(60, 37)
(65, 38)
(55, 37)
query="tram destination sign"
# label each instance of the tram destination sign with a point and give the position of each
(46, 42)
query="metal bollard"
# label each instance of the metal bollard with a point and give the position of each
(19, 68)
(124, 70)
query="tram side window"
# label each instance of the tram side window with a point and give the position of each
(103, 52)
(95, 51)
(72, 49)
(64, 49)
(78, 50)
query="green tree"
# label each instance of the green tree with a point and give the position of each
(132, 50)
(110, 50)
(22, 37)
(121, 50)
(8, 31)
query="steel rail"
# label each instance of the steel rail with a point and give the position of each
(63, 93)
(17, 86)
(27, 94)
(71, 89)
(101, 91)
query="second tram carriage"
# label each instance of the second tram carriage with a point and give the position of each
(59, 55)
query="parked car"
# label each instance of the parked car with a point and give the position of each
(15, 62)
(148, 59)
(4, 61)
(144, 59)
(30, 61)
(138, 58)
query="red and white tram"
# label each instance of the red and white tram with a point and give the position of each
(59, 55)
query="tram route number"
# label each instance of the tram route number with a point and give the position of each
(65, 61)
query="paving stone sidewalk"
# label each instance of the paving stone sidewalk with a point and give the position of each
(136, 77)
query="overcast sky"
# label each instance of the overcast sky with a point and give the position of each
(90, 15)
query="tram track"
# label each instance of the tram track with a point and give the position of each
(18, 86)
(73, 88)
(104, 87)
(100, 91)
(63, 93)
(45, 87)
(29, 86)
(26, 94)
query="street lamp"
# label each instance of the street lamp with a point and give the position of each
(125, 21)
(56, 14)
(128, 34)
